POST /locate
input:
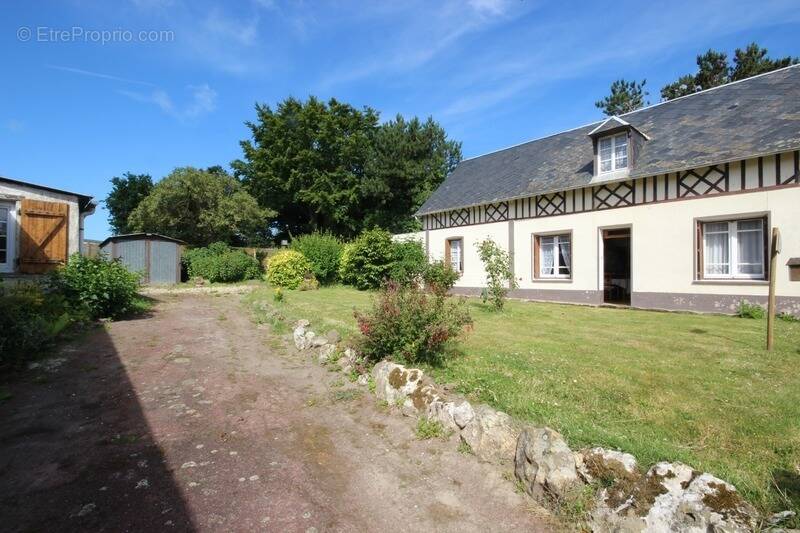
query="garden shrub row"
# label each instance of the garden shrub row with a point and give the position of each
(218, 262)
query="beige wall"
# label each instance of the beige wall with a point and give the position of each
(662, 246)
(13, 193)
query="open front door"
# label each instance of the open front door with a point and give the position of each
(43, 235)
(617, 266)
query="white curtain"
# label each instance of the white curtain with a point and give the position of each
(3, 234)
(547, 256)
(564, 249)
(455, 255)
(750, 247)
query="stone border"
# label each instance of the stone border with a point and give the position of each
(668, 497)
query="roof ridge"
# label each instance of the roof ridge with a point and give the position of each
(600, 122)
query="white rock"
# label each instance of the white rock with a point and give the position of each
(302, 323)
(299, 337)
(491, 435)
(452, 415)
(544, 463)
(608, 460)
(325, 353)
(394, 382)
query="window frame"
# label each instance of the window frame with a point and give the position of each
(447, 258)
(733, 275)
(537, 267)
(613, 139)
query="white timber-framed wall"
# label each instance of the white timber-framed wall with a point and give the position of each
(662, 213)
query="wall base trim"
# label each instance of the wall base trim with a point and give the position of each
(663, 301)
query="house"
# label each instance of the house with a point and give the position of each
(667, 207)
(40, 227)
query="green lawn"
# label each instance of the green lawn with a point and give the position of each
(663, 386)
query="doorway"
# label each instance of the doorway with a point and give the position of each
(617, 266)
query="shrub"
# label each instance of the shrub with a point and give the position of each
(104, 288)
(288, 269)
(219, 263)
(409, 262)
(748, 310)
(439, 277)
(410, 326)
(324, 251)
(367, 261)
(499, 278)
(277, 294)
(30, 319)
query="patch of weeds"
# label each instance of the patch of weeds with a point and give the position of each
(788, 317)
(5, 394)
(347, 395)
(748, 310)
(338, 383)
(464, 448)
(574, 508)
(429, 429)
(371, 384)
(123, 439)
(311, 402)
(383, 406)
(399, 401)
(222, 317)
(353, 376)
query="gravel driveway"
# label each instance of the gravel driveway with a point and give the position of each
(193, 419)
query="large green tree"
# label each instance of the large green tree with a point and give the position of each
(713, 70)
(126, 193)
(409, 160)
(328, 166)
(201, 207)
(626, 96)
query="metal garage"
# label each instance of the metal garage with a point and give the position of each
(156, 257)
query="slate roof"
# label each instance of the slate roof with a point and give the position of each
(756, 116)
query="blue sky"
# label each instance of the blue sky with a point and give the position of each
(75, 111)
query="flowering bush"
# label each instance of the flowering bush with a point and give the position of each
(411, 326)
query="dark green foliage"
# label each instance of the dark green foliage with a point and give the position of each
(748, 310)
(328, 166)
(104, 288)
(30, 319)
(714, 70)
(126, 193)
(324, 251)
(289, 269)
(439, 277)
(626, 96)
(411, 326)
(201, 207)
(219, 263)
(409, 262)
(409, 160)
(367, 261)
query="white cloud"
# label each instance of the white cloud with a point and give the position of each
(203, 100)
(94, 74)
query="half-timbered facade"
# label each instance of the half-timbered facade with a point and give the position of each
(666, 207)
(40, 227)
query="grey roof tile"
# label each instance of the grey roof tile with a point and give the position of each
(760, 115)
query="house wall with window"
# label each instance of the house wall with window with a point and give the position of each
(675, 225)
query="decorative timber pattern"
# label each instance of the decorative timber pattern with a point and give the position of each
(551, 204)
(614, 195)
(709, 181)
(761, 173)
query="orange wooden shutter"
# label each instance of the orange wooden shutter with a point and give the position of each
(447, 252)
(44, 237)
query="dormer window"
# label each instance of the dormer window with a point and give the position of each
(613, 152)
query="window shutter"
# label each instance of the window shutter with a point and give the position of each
(536, 256)
(44, 236)
(447, 252)
(699, 250)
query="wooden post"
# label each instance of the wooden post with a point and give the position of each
(775, 248)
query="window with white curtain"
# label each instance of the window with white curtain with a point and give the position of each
(555, 256)
(456, 256)
(4, 235)
(734, 249)
(613, 153)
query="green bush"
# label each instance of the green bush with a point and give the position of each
(499, 278)
(411, 326)
(104, 288)
(323, 250)
(439, 277)
(288, 269)
(219, 263)
(748, 310)
(30, 319)
(409, 262)
(367, 261)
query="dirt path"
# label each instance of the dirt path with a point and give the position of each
(194, 419)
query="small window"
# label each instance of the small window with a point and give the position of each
(613, 153)
(553, 256)
(454, 254)
(733, 249)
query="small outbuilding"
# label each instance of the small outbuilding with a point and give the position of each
(156, 257)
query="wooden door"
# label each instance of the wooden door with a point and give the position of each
(44, 236)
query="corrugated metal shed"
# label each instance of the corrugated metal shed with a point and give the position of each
(156, 257)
